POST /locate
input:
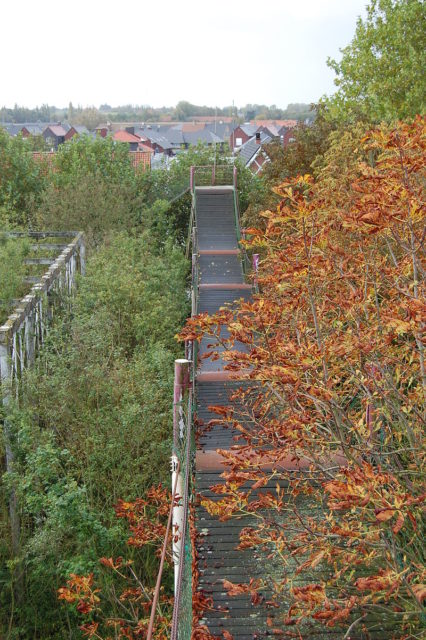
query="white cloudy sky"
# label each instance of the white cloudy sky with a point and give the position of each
(161, 51)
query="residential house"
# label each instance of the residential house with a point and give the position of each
(11, 128)
(124, 136)
(76, 130)
(286, 135)
(54, 135)
(154, 139)
(32, 129)
(203, 135)
(102, 130)
(242, 134)
(283, 127)
(26, 129)
(252, 153)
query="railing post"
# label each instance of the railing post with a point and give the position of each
(177, 517)
(82, 256)
(181, 386)
(191, 179)
(255, 259)
(213, 175)
(234, 176)
(15, 521)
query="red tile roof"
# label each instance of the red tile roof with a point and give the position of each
(125, 136)
(188, 126)
(144, 147)
(276, 123)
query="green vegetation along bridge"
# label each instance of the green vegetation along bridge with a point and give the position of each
(206, 548)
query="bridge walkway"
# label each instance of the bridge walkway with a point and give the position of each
(220, 282)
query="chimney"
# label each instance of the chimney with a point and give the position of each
(257, 137)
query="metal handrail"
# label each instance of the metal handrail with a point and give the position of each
(212, 175)
(183, 533)
(192, 352)
(191, 222)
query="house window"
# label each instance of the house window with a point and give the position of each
(238, 142)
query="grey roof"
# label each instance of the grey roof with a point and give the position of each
(34, 128)
(221, 129)
(249, 148)
(12, 129)
(169, 137)
(204, 135)
(249, 129)
(155, 137)
(174, 134)
(80, 128)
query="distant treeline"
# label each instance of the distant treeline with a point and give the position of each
(91, 116)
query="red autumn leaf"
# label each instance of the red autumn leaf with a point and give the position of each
(84, 607)
(398, 524)
(90, 629)
(234, 589)
(383, 515)
(380, 582)
(419, 591)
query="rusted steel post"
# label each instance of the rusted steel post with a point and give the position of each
(235, 176)
(191, 179)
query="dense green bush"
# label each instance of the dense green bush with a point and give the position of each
(21, 181)
(93, 188)
(94, 419)
(94, 424)
(12, 271)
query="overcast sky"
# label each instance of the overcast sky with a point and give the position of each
(158, 52)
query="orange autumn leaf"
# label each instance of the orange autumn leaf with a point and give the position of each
(383, 515)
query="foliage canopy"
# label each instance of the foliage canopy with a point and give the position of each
(381, 73)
